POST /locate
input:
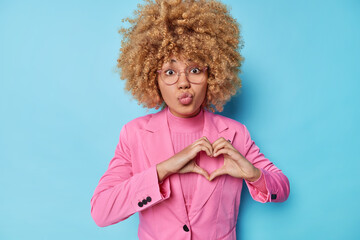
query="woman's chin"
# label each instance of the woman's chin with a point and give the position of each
(186, 111)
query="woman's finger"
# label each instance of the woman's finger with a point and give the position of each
(221, 143)
(205, 138)
(220, 139)
(205, 149)
(222, 151)
(201, 171)
(202, 143)
(202, 139)
(217, 172)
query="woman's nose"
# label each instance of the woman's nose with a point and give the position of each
(183, 82)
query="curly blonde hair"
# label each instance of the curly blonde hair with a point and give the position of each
(200, 30)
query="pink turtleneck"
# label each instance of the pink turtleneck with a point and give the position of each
(185, 131)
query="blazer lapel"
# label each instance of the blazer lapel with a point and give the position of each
(214, 128)
(156, 139)
(158, 147)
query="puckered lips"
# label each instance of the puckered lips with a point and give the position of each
(185, 98)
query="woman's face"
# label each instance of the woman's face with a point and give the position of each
(183, 98)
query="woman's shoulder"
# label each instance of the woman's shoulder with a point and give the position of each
(143, 121)
(220, 119)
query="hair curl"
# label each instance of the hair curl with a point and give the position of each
(200, 30)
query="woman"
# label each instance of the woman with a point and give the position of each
(182, 168)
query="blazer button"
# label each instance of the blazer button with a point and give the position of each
(273, 196)
(140, 204)
(186, 229)
(148, 199)
(144, 202)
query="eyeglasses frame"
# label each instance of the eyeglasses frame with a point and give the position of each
(178, 76)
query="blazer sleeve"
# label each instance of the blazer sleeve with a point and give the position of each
(273, 185)
(120, 193)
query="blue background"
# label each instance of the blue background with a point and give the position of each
(63, 105)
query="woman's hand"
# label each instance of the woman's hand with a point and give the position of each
(183, 161)
(235, 164)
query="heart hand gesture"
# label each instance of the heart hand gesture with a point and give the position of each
(235, 164)
(183, 161)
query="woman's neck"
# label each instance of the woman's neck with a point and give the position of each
(179, 124)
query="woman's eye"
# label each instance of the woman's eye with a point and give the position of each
(170, 72)
(195, 70)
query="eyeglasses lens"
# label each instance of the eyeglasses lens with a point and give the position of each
(193, 74)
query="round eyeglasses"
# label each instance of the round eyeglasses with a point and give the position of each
(193, 74)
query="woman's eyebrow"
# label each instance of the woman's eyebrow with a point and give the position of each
(172, 60)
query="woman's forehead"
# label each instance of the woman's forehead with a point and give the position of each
(179, 61)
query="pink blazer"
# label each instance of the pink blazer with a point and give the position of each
(130, 183)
